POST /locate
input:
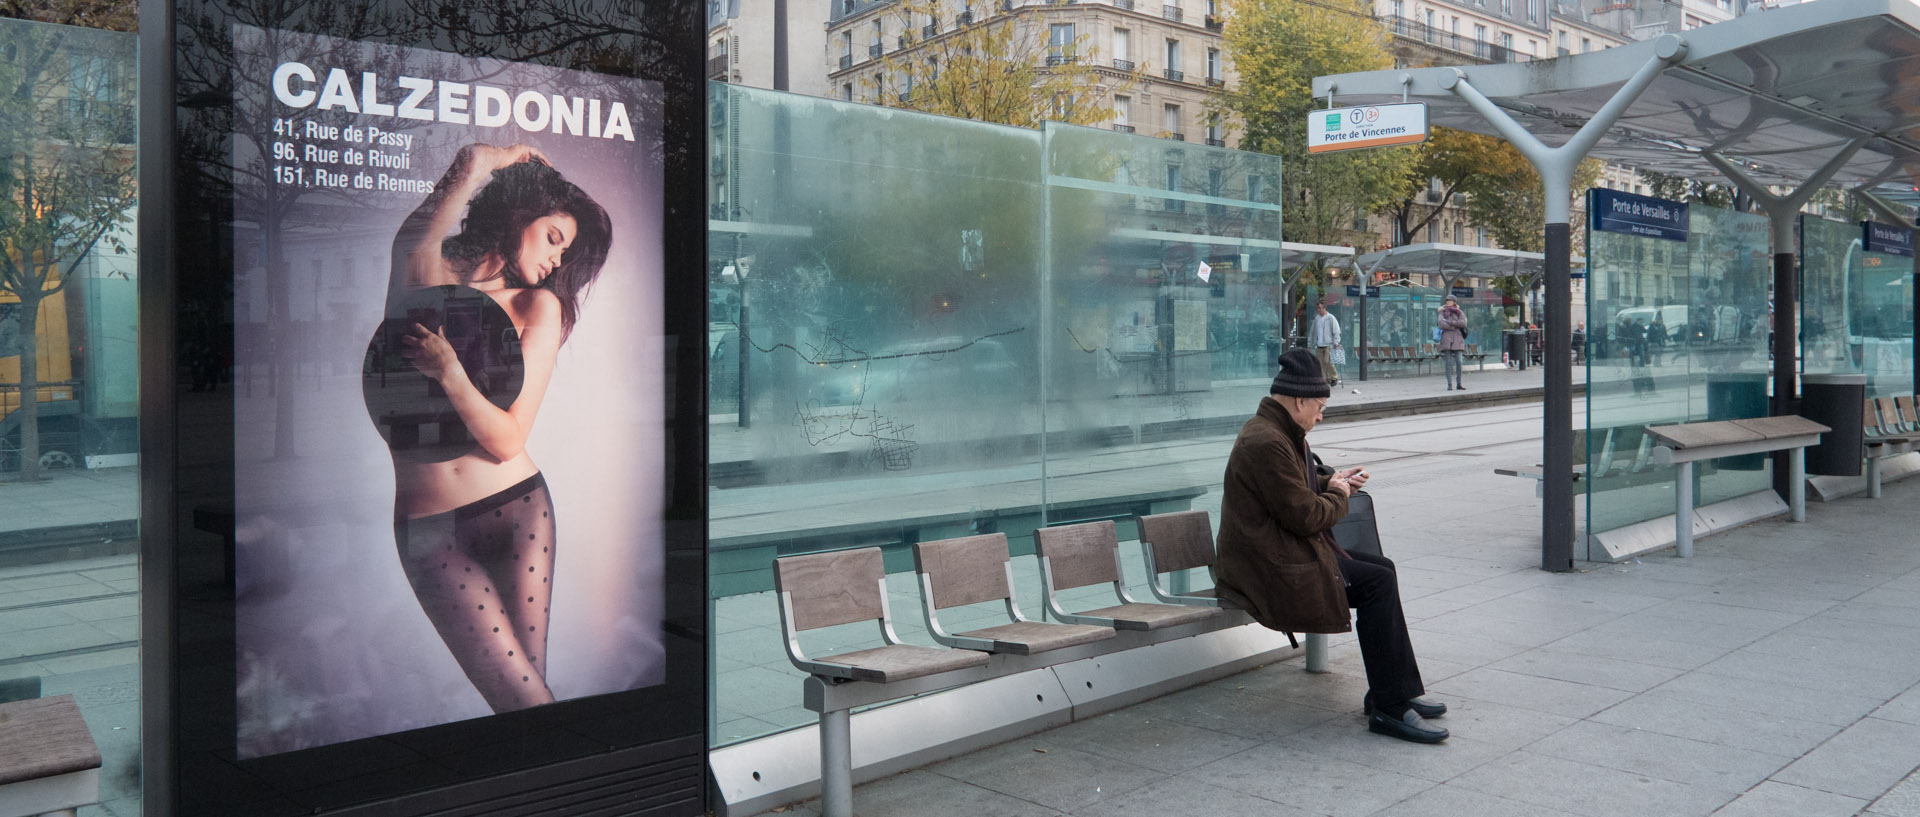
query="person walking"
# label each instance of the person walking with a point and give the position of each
(1453, 341)
(1279, 561)
(1324, 336)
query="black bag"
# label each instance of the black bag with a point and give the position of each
(1463, 334)
(1358, 532)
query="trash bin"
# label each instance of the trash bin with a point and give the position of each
(1516, 347)
(1737, 396)
(1834, 400)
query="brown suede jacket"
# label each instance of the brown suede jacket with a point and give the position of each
(1275, 560)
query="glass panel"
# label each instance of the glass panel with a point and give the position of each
(885, 390)
(1676, 333)
(69, 388)
(1163, 324)
(1856, 308)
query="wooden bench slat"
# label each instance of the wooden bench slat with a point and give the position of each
(1142, 616)
(1699, 435)
(1791, 425)
(841, 587)
(898, 662)
(44, 737)
(1181, 540)
(1029, 637)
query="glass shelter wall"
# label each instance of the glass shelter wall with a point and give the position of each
(1677, 333)
(69, 511)
(1856, 308)
(924, 328)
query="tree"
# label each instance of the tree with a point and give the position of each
(114, 15)
(66, 179)
(1512, 205)
(1002, 69)
(1448, 161)
(1692, 191)
(1278, 47)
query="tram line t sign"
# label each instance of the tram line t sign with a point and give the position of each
(1366, 126)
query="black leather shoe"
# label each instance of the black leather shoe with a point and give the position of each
(1427, 709)
(1410, 727)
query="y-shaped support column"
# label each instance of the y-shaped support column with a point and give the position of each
(1780, 210)
(1556, 167)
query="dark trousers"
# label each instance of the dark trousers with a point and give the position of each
(1373, 589)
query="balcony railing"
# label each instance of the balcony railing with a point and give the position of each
(1410, 29)
(717, 67)
(1216, 82)
(1006, 5)
(1214, 23)
(1176, 136)
(875, 50)
(1122, 128)
(1216, 142)
(846, 61)
(1062, 59)
(1170, 12)
(929, 30)
(1124, 65)
(1176, 76)
(964, 18)
(902, 42)
(1123, 4)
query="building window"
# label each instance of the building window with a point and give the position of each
(1123, 110)
(1060, 43)
(1173, 55)
(1170, 118)
(1428, 33)
(1480, 236)
(1214, 137)
(1585, 45)
(1173, 183)
(1399, 9)
(1506, 7)
(933, 69)
(1213, 63)
(1122, 44)
(1256, 186)
(846, 92)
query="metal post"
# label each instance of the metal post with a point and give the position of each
(1781, 211)
(836, 763)
(1316, 652)
(1683, 510)
(1556, 166)
(1873, 476)
(1797, 483)
(1360, 345)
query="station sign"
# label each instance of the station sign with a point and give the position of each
(1353, 291)
(1615, 212)
(1463, 292)
(1366, 126)
(1886, 238)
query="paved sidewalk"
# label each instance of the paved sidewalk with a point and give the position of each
(1775, 674)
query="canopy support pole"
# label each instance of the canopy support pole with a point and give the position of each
(1780, 211)
(1556, 167)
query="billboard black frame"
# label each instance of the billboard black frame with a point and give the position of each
(641, 752)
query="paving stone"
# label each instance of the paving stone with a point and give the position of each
(1864, 760)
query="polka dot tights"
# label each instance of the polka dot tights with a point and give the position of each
(483, 574)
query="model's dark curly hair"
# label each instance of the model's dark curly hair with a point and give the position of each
(516, 196)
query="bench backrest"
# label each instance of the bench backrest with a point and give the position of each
(826, 589)
(1905, 405)
(967, 570)
(44, 737)
(1080, 555)
(1889, 416)
(1181, 540)
(1870, 417)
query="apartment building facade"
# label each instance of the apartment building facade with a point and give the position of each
(741, 43)
(1175, 47)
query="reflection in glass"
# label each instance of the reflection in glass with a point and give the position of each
(1856, 308)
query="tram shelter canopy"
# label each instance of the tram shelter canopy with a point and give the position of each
(1459, 261)
(1777, 93)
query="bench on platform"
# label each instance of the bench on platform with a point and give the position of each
(1683, 444)
(49, 765)
(1884, 436)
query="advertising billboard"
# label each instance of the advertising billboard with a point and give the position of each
(448, 369)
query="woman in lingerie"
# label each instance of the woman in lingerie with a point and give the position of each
(480, 315)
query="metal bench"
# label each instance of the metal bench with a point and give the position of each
(1088, 554)
(1683, 444)
(1884, 437)
(979, 570)
(49, 765)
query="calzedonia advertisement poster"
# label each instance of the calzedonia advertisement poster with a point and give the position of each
(448, 372)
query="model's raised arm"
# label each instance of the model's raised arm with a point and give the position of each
(501, 432)
(417, 259)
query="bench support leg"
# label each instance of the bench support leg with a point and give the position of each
(1316, 652)
(1683, 511)
(1873, 477)
(1797, 484)
(836, 763)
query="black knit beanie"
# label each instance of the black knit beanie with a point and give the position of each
(1299, 376)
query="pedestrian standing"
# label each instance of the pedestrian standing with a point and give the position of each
(1453, 341)
(1324, 336)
